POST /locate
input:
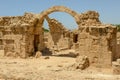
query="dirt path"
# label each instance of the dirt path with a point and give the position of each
(54, 68)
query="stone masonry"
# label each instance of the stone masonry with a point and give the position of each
(60, 35)
(18, 33)
(24, 35)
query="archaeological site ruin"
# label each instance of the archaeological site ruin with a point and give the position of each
(23, 36)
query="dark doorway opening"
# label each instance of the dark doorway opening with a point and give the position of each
(75, 38)
(36, 42)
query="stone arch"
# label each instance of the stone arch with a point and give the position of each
(38, 31)
(74, 14)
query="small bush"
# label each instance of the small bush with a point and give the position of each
(46, 30)
(118, 27)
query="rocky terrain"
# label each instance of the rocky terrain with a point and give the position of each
(53, 67)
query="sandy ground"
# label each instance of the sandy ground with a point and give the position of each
(54, 68)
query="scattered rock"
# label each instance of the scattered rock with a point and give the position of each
(38, 54)
(82, 62)
(12, 54)
(60, 65)
(46, 57)
(116, 67)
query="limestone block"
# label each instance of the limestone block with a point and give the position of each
(118, 61)
(38, 54)
(116, 68)
(82, 62)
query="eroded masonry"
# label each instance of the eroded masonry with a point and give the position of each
(23, 36)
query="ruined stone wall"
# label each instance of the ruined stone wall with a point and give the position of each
(19, 32)
(59, 34)
(98, 43)
(118, 45)
(13, 36)
(89, 18)
(48, 40)
(95, 40)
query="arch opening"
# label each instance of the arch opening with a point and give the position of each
(59, 35)
(60, 9)
(64, 18)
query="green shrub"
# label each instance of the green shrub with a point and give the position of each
(118, 27)
(46, 30)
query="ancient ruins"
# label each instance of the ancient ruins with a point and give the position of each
(23, 36)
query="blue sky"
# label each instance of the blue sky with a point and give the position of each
(109, 10)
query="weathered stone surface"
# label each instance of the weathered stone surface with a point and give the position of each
(90, 18)
(118, 45)
(59, 34)
(97, 41)
(82, 62)
(14, 30)
(116, 67)
(12, 54)
(38, 54)
(24, 35)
